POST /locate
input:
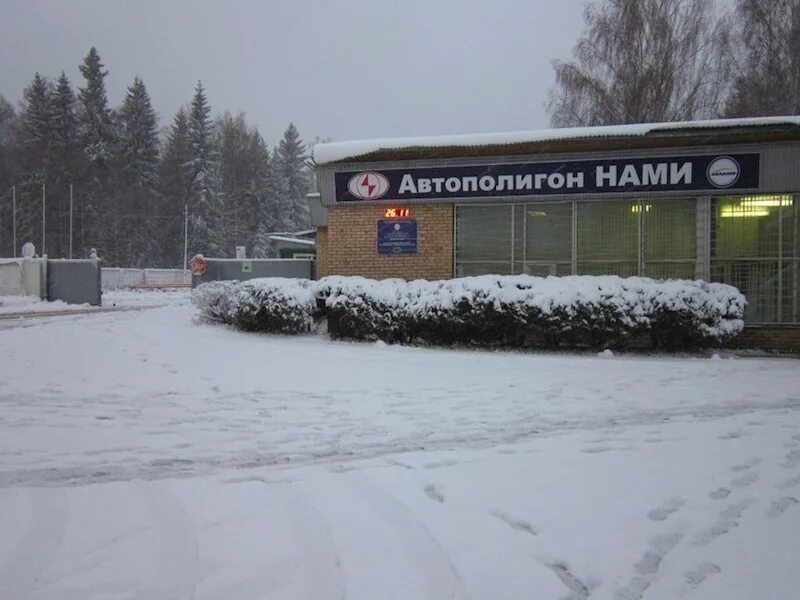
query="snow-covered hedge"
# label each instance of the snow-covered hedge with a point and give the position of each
(270, 304)
(507, 311)
(577, 311)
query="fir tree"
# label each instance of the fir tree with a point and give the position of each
(36, 126)
(66, 164)
(293, 171)
(8, 172)
(64, 124)
(174, 190)
(203, 208)
(99, 199)
(138, 145)
(267, 203)
(34, 139)
(138, 155)
(8, 120)
(96, 129)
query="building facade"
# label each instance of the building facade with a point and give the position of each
(713, 200)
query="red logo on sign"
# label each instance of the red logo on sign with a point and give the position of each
(368, 185)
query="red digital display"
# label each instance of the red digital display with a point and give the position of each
(396, 213)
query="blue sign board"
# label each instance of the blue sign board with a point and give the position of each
(397, 236)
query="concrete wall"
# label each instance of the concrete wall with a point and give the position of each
(74, 281)
(116, 278)
(229, 269)
(34, 277)
(350, 244)
(11, 283)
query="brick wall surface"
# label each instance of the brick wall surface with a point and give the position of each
(763, 337)
(350, 244)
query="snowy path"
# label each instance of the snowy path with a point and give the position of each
(144, 456)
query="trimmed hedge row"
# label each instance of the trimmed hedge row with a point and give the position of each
(488, 311)
(273, 305)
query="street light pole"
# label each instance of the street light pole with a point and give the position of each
(14, 218)
(70, 221)
(44, 218)
(185, 235)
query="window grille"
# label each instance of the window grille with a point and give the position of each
(752, 242)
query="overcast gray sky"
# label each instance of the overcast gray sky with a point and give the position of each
(347, 69)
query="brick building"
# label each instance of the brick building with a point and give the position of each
(713, 200)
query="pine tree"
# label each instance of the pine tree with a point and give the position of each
(174, 185)
(138, 155)
(66, 164)
(267, 203)
(293, 171)
(244, 178)
(64, 124)
(96, 129)
(8, 119)
(8, 172)
(203, 208)
(99, 202)
(34, 140)
(36, 127)
(138, 145)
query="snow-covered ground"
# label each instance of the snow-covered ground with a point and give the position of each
(145, 456)
(24, 305)
(32, 304)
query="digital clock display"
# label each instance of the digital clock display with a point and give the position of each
(396, 213)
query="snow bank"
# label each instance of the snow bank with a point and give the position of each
(490, 310)
(32, 304)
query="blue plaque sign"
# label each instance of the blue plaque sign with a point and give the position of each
(397, 236)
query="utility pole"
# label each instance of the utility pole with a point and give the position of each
(70, 221)
(14, 218)
(185, 235)
(44, 219)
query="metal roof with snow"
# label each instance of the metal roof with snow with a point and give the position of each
(577, 139)
(292, 240)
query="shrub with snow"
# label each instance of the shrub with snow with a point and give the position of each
(214, 300)
(551, 312)
(491, 311)
(270, 304)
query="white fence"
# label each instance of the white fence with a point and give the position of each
(114, 279)
(11, 282)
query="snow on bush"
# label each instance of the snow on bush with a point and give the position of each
(490, 310)
(214, 300)
(270, 304)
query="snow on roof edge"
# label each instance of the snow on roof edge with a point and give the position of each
(336, 151)
(293, 240)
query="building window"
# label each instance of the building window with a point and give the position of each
(484, 240)
(608, 237)
(669, 239)
(754, 246)
(754, 243)
(546, 239)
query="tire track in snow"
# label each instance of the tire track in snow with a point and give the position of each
(321, 568)
(178, 569)
(48, 513)
(169, 465)
(432, 560)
